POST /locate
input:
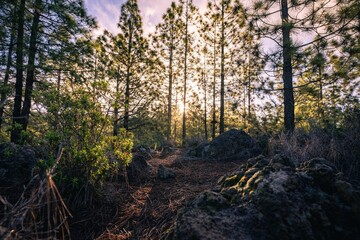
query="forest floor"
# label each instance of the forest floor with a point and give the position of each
(148, 208)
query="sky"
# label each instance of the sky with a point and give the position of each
(107, 12)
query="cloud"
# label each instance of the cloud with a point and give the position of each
(107, 13)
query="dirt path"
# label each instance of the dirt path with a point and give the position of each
(149, 208)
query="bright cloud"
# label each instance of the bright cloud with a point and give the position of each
(107, 12)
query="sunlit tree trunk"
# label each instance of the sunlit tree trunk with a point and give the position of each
(185, 72)
(170, 83)
(205, 102)
(213, 122)
(249, 90)
(222, 69)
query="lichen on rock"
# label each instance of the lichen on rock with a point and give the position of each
(272, 199)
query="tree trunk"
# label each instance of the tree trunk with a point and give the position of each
(289, 115)
(213, 122)
(176, 119)
(127, 87)
(4, 87)
(185, 74)
(205, 103)
(15, 132)
(116, 105)
(170, 82)
(127, 100)
(320, 100)
(58, 86)
(30, 78)
(249, 91)
(222, 70)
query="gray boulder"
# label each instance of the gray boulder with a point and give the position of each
(272, 199)
(16, 164)
(233, 144)
(139, 166)
(165, 173)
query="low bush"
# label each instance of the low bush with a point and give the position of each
(338, 145)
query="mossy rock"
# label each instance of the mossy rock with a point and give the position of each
(272, 199)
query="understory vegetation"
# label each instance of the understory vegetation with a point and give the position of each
(78, 108)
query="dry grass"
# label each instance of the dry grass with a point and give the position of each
(40, 212)
(340, 147)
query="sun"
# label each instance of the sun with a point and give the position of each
(180, 107)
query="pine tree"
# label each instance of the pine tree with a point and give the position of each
(9, 58)
(209, 34)
(247, 78)
(190, 13)
(15, 133)
(167, 38)
(52, 24)
(230, 18)
(30, 77)
(140, 65)
(319, 19)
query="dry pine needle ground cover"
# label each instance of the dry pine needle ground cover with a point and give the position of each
(148, 209)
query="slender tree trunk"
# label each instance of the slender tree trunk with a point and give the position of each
(244, 114)
(249, 91)
(289, 115)
(30, 78)
(170, 82)
(176, 119)
(320, 100)
(127, 100)
(96, 74)
(205, 103)
(213, 122)
(4, 87)
(116, 105)
(59, 81)
(222, 70)
(15, 132)
(127, 87)
(185, 73)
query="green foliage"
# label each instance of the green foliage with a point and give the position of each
(102, 160)
(77, 122)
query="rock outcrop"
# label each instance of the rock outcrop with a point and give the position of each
(233, 144)
(272, 199)
(16, 164)
(139, 166)
(165, 173)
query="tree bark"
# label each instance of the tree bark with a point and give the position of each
(185, 74)
(205, 103)
(170, 82)
(116, 105)
(249, 90)
(320, 99)
(289, 115)
(4, 87)
(15, 132)
(222, 70)
(213, 122)
(127, 87)
(30, 77)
